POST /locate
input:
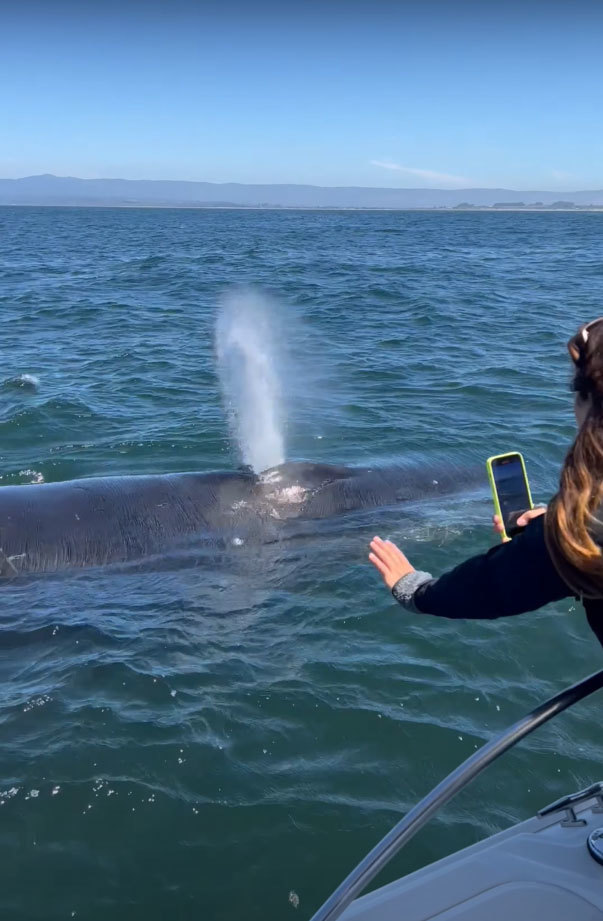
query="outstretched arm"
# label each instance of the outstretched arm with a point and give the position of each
(512, 578)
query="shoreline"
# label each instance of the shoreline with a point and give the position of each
(455, 209)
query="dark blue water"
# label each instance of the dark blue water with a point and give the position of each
(204, 740)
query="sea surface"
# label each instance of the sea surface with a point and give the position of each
(226, 739)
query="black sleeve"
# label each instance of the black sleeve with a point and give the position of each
(511, 578)
(594, 615)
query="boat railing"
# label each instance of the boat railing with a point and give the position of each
(354, 884)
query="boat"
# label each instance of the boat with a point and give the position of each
(549, 867)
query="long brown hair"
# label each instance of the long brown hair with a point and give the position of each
(571, 516)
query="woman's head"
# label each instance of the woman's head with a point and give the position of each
(586, 351)
(571, 517)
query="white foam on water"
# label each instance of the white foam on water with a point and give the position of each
(34, 475)
(30, 379)
(27, 382)
(249, 360)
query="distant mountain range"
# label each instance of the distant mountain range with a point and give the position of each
(66, 190)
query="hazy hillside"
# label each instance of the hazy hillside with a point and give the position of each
(49, 190)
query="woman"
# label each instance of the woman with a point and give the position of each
(556, 555)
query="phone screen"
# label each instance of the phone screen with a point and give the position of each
(511, 488)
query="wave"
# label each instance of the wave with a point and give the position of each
(27, 382)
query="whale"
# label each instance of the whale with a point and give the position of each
(97, 521)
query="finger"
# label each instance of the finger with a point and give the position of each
(379, 565)
(383, 550)
(530, 514)
(396, 555)
(391, 556)
(393, 550)
(379, 552)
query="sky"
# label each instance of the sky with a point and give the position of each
(426, 94)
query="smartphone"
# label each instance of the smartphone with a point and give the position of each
(510, 489)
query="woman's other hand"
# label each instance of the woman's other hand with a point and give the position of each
(389, 561)
(521, 522)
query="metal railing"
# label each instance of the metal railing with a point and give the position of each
(401, 833)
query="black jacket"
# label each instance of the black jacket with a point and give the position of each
(512, 578)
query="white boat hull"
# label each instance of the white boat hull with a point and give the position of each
(539, 869)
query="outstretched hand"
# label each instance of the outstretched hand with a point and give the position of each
(389, 561)
(393, 565)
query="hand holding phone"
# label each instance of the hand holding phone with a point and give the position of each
(510, 490)
(523, 520)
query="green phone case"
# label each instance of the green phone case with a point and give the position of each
(497, 508)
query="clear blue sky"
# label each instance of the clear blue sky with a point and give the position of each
(418, 94)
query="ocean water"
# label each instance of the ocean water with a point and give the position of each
(225, 740)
